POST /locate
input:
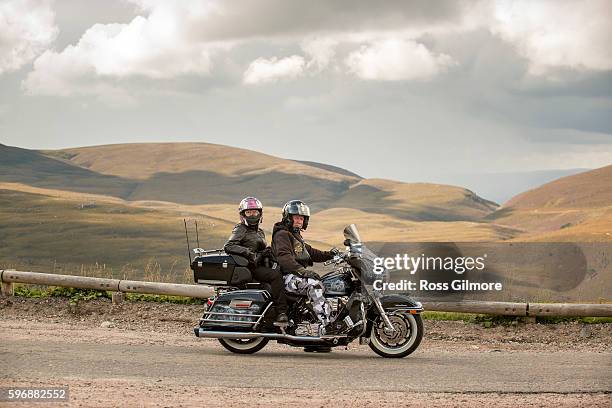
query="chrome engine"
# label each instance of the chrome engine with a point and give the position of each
(307, 329)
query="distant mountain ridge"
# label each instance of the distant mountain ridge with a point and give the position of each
(203, 173)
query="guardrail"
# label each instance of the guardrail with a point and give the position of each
(9, 277)
(115, 285)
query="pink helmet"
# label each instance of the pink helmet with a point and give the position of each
(250, 203)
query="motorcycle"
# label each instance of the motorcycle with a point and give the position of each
(241, 315)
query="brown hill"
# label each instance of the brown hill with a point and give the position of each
(577, 207)
(143, 160)
(415, 201)
(36, 169)
(57, 231)
(590, 189)
(203, 173)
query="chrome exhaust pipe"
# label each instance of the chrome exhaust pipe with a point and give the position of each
(250, 335)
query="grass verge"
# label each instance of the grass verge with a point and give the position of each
(75, 295)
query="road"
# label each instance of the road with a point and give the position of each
(284, 367)
(208, 366)
(150, 357)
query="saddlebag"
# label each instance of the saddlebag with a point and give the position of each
(221, 269)
(237, 310)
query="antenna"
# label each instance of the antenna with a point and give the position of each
(197, 236)
(187, 236)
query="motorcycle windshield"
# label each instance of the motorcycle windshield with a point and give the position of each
(364, 260)
(351, 233)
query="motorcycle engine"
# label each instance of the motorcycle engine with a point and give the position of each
(307, 329)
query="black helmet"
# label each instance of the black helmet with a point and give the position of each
(295, 207)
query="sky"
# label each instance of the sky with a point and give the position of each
(407, 90)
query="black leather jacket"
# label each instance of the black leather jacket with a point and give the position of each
(246, 241)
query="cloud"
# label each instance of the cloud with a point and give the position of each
(271, 70)
(27, 28)
(391, 41)
(320, 50)
(557, 34)
(69, 74)
(295, 19)
(396, 59)
(157, 46)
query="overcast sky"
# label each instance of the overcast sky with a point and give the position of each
(408, 90)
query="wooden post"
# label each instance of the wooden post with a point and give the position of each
(7, 287)
(118, 298)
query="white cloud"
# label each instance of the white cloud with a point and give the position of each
(173, 38)
(557, 34)
(69, 74)
(320, 50)
(271, 70)
(26, 29)
(157, 46)
(396, 59)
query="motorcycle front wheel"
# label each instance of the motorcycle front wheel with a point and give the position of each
(244, 346)
(402, 341)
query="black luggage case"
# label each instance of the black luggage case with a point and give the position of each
(220, 269)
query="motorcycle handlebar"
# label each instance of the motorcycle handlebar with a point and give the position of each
(336, 260)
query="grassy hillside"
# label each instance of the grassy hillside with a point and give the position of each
(62, 231)
(327, 226)
(573, 208)
(122, 206)
(36, 169)
(591, 189)
(62, 234)
(208, 174)
(415, 201)
(141, 161)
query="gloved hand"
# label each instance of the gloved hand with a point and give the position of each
(258, 259)
(251, 257)
(334, 251)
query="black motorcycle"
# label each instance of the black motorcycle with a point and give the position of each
(242, 313)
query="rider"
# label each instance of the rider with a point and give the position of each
(294, 256)
(249, 241)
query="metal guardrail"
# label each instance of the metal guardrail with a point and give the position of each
(8, 277)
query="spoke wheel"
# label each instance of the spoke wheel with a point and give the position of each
(400, 342)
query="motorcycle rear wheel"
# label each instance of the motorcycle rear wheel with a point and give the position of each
(244, 346)
(406, 338)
